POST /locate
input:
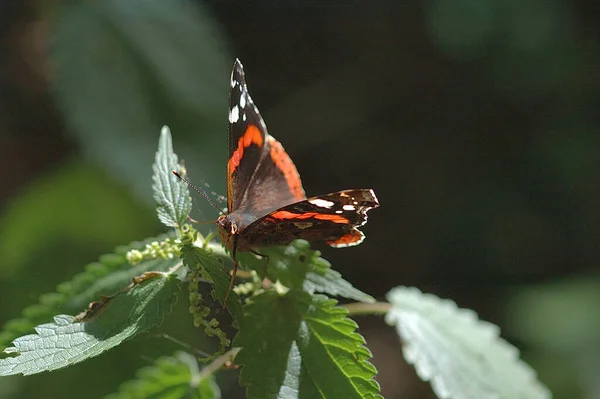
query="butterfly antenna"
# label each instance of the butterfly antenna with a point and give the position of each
(202, 193)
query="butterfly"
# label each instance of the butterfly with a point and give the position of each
(266, 203)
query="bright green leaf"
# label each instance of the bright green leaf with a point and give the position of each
(299, 346)
(460, 355)
(171, 195)
(67, 341)
(170, 377)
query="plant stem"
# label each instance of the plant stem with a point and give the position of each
(219, 362)
(359, 308)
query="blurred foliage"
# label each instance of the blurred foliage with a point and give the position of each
(169, 377)
(560, 320)
(524, 35)
(557, 316)
(59, 207)
(125, 69)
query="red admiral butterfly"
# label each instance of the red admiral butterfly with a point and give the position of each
(266, 203)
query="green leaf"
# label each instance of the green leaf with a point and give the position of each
(462, 356)
(332, 283)
(125, 68)
(193, 257)
(298, 266)
(287, 264)
(324, 279)
(68, 340)
(105, 277)
(171, 195)
(170, 377)
(299, 346)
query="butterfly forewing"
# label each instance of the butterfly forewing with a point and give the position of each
(256, 160)
(246, 139)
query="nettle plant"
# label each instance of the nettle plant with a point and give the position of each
(293, 340)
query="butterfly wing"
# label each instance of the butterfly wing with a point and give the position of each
(261, 176)
(333, 218)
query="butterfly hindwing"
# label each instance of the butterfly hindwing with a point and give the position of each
(332, 218)
(256, 159)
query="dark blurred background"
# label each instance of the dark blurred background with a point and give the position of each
(475, 121)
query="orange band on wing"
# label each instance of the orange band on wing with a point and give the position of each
(350, 239)
(251, 136)
(286, 166)
(283, 215)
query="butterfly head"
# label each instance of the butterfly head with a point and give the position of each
(228, 229)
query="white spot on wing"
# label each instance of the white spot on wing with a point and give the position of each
(349, 207)
(243, 102)
(234, 114)
(321, 203)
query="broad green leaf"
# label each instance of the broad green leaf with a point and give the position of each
(194, 257)
(126, 68)
(331, 282)
(462, 357)
(170, 377)
(70, 340)
(171, 195)
(322, 278)
(287, 264)
(105, 277)
(302, 346)
(298, 266)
